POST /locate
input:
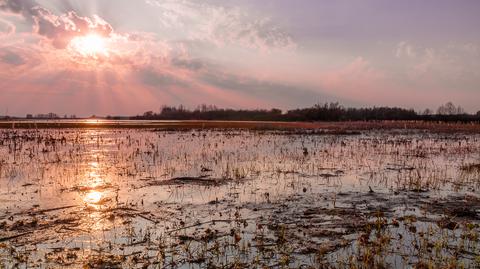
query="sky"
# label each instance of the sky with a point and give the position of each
(125, 57)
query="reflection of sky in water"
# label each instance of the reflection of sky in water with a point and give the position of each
(101, 167)
(99, 170)
(94, 166)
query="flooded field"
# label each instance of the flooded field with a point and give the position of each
(152, 198)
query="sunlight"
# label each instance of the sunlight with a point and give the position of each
(90, 46)
(94, 164)
(93, 197)
(93, 121)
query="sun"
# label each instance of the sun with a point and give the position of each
(90, 46)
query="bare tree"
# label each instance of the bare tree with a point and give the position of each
(460, 110)
(427, 112)
(450, 109)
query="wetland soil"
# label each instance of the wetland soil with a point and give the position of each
(155, 198)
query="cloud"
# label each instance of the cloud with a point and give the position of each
(6, 28)
(273, 94)
(453, 64)
(149, 76)
(404, 49)
(220, 26)
(361, 82)
(358, 75)
(161, 72)
(190, 64)
(131, 83)
(17, 63)
(11, 58)
(59, 29)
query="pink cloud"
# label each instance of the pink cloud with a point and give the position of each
(6, 28)
(219, 26)
(59, 29)
(357, 77)
(136, 78)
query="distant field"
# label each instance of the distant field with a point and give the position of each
(178, 125)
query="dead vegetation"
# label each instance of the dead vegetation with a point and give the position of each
(471, 168)
(279, 199)
(201, 180)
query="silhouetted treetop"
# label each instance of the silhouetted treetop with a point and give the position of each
(450, 109)
(320, 112)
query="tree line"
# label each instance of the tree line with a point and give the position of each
(320, 112)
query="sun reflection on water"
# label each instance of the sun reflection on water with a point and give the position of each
(96, 193)
(93, 121)
(94, 183)
(94, 164)
(93, 198)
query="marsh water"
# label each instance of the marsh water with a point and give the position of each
(145, 198)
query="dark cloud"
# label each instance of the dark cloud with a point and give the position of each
(272, 92)
(190, 64)
(149, 76)
(59, 29)
(6, 28)
(11, 58)
(17, 6)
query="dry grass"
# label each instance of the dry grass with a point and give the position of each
(333, 127)
(160, 198)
